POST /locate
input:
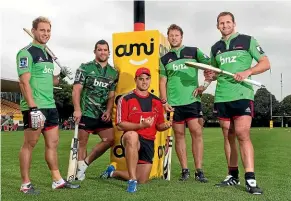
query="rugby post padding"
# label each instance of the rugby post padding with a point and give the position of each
(131, 51)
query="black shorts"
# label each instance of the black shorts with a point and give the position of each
(92, 125)
(146, 151)
(51, 115)
(185, 113)
(233, 109)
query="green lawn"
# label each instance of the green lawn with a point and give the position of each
(273, 165)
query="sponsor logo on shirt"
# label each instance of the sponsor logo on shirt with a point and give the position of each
(100, 84)
(23, 62)
(170, 60)
(142, 119)
(179, 67)
(78, 75)
(47, 70)
(40, 59)
(248, 110)
(238, 47)
(225, 60)
(261, 51)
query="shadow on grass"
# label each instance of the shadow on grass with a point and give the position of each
(111, 181)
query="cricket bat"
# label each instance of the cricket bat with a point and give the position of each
(217, 70)
(72, 169)
(168, 153)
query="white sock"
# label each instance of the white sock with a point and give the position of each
(61, 181)
(25, 184)
(82, 165)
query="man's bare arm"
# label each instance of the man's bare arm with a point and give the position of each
(262, 66)
(164, 126)
(76, 94)
(110, 101)
(56, 80)
(26, 89)
(163, 88)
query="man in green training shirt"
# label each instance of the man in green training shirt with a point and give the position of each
(93, 98)
(178, 85)
(234, 98)
(35, 70)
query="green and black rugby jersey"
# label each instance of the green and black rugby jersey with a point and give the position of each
(34, 59)
(181, 80)
(234, 55)
(97, 83)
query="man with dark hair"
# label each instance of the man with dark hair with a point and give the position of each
(234, 104)
(93, 99)
(178, 91)
(140, 115)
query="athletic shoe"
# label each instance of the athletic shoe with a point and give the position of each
(29, 189)
(64, 184)
(199, 176)
(81, 170)
(252, 187)
(107, 173)
(132, 186)
(228, 181)
(185, 175)
(80, 176)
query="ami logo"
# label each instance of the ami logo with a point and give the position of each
(136, 49)
(128, 49)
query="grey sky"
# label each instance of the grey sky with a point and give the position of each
(77, 26)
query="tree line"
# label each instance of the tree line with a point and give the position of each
(262, 104)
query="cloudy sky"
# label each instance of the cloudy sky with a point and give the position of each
(77, 26)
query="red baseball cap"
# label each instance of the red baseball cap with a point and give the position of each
(142, 70)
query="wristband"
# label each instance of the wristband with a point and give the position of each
(164, 101)
(206, 84)
(33, 108)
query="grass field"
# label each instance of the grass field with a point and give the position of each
(273, 165)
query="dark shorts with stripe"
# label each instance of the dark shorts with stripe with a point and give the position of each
(233, 109)
(146, 151)
(51, 115)
(185, 113)
(94, 125)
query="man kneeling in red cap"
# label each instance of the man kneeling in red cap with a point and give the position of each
(140, 115)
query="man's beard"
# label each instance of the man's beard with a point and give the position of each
(178, 45)
(102, 60)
